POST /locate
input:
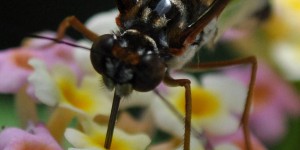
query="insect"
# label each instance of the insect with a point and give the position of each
(154, 37)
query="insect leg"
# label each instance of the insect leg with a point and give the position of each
(188, 105)
(194, 132)
(77, 25)
(248, 60)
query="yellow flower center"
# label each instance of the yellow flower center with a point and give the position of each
(117, 143)
(204, 103)
(275, 28)
(75, 97)
(294, 4)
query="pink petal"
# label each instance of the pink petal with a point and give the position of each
(238, 140)
(12, 76)
(37, 138)
(274, 100)
(268, 125)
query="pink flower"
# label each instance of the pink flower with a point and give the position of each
(236, 141)
(273, 101)
(14, 67)
(35, 138)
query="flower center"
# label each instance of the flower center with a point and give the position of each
(117, 144)
(64, 55)
(261, 95)
(21, 59)
(76, 97)
(295, 4)
(204, 103)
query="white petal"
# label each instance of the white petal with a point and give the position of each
(133, 141)
(82, 56)
(140, 99)
(165, 119)
(103, 23)
(287, 57)
(137, 141)
(231, 92)
(45, 89)
(224, 124)
(77, 138)
(195, 144)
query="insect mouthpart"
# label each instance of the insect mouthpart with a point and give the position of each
(127, 62)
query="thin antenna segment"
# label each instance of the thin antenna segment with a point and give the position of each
(57, 41)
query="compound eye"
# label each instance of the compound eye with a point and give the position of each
(125, 5)
(163, 6)
(100, 49)
(148, 73)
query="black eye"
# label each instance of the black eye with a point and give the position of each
(100, 50)
(125, 5)
(148, 73)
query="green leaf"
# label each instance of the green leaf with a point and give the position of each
(8, 115)
(291, 140)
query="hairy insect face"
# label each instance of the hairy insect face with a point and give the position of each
(127, 62)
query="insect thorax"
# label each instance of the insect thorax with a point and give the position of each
(164, 21)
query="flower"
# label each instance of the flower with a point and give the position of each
(285, 20)
(59, 87)
(34, 138)
(93, 137)
(14, 67)
(103, 23)
(213, 103)
(287, 57)
(272, 98)
(194, 144)
(235, 141)
(281, 31)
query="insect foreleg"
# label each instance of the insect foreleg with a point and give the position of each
(73, 22)
(188, 105)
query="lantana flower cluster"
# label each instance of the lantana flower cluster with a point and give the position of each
(60, 79)
(76, 94)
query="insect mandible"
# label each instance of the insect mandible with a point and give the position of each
(154, 37)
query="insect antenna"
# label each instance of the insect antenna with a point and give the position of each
(57, 41)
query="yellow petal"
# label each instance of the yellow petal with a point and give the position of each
(204, 103)
(95, 137)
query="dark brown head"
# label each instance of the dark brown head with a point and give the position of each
(127, 62)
